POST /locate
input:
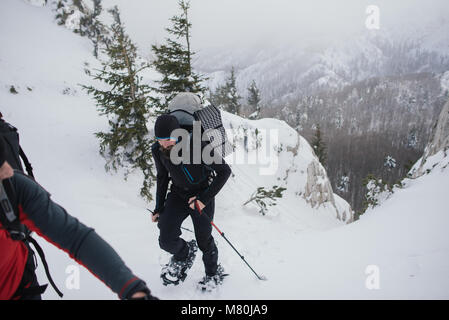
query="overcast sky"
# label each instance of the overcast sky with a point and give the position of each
(233, 23)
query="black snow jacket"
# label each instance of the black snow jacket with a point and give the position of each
(188, 179)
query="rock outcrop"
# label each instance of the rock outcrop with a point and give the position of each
(439, 143)
(291, 160)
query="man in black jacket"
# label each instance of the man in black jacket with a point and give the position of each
(40, 214)
(190, 182)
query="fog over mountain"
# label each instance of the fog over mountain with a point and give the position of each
(316, 62)
(236, 24)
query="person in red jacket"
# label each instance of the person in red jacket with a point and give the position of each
(40, 214)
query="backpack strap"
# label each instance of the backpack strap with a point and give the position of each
(9, 212)
(10, 135)
(27, 163)
(9, 217)
(29, 288)
(30, 291)
(180, 110)
(41, 254)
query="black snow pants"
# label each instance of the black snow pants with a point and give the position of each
(176, 210)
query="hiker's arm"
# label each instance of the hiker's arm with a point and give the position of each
(223, 172)
(162, 180)
(50, 221)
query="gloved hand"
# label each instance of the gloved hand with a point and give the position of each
(141, 292)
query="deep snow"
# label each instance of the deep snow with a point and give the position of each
(305, 253)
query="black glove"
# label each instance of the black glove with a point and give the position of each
(141, 287)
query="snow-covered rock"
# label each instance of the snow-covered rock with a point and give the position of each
(268, 152)
(445, 81)
(438, 148)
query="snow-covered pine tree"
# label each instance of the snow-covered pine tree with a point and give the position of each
(76, 16)
(124, 102)
(227, 96)
(254, 100)
(92, 27)
(377, 191)
(343, 184)
(174, 60)
(69, 12)
(412, 139)
(319, 146)
(389, 163)
(265, 198)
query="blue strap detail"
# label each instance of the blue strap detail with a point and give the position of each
(187, 173)
(189, 176)
(163, 138)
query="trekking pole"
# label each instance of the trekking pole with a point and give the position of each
(223, 235)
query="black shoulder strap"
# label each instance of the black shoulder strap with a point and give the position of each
(41, 254)
(27, 164)
(7, 127)
(210, 172)
(9, 215)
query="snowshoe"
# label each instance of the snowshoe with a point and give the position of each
(210, 283)
(175, 272)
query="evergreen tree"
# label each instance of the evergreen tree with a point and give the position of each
(75, 15)
(390, 163)
(67, 8)
(343, 184)
(319, 147)
(174, 60)
(124, 102)
(215, 97)
(376, 190)
(232, 95)
(227, 96)
(264, 198)
(254, 100)
(91, 26)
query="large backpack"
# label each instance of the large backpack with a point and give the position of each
(10, 221)
(10, 135)
(187, 108)
(183, 106)
(9, 212)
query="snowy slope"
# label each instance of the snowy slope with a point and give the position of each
(304, 252)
